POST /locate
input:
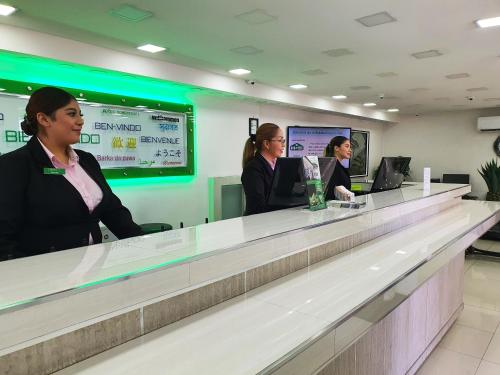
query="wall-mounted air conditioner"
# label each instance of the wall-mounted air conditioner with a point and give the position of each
(488, 124)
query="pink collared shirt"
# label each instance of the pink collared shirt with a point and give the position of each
(271, 162)
(76, 175)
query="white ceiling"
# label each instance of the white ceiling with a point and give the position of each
(201, 34)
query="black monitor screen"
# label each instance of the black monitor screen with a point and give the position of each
(455, 179)
(390, 173)
(326, 167)
(288, 188)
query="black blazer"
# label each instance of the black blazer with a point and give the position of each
(42, 213)
(257, 178)
(339, 177)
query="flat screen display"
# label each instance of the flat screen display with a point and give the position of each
(310, 140)
(390, 173)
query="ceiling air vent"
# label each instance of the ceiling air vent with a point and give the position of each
(130, 13)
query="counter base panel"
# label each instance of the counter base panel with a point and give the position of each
(401, 341)
(59, 352)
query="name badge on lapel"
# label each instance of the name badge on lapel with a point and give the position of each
(59, 171)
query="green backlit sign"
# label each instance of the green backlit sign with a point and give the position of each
(123, 102)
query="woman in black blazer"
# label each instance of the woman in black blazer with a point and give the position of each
(259, 158)
(339, 147)
(41, 209)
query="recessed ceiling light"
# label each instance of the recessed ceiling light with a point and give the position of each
(489, 22)
(141, 106)
(256, 17)
(130, 13)
(151, 48)
(246, 50)
(240, 71)
(369, 104)
(2, 89)
(81, 99)
(458, 76)
(339, 97)
(393, 110)
(298, 86)
(315, 72)
(387, 74)
(427, 54)
(6, 10)
(338, 52)
(376, 19)
(473, 89)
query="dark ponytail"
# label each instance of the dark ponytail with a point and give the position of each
(46, 100)
(28, 127)
(265, 132)
(335, 142)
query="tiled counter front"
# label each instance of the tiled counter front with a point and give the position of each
(115, 312)
(399, 342)
(327, 315)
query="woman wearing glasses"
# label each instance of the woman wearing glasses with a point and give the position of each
(259, 158)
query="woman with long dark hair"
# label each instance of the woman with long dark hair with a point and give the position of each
(340, 148)
(259, 157)
(52, 196)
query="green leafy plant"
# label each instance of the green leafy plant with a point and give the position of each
(490, 172)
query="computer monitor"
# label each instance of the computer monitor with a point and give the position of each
(455, 179)
(327, 167)
(288, 188)
(390, 173)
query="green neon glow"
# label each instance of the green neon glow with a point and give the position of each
(195, 142)
(132, 182)
(19, 303)
(156, 266)
(26, 68)
(98, 282)
(106, 86)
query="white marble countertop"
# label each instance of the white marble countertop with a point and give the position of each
(53, 273)
(250, 332)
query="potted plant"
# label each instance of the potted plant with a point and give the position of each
(490, 172)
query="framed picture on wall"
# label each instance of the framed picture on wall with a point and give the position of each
(360, 143)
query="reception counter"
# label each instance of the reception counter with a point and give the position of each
(287, 291)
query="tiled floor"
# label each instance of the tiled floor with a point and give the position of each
(472, 345)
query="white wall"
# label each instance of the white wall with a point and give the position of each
(448, 142)
(221, 122)
(141, 63)
(221, 130)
